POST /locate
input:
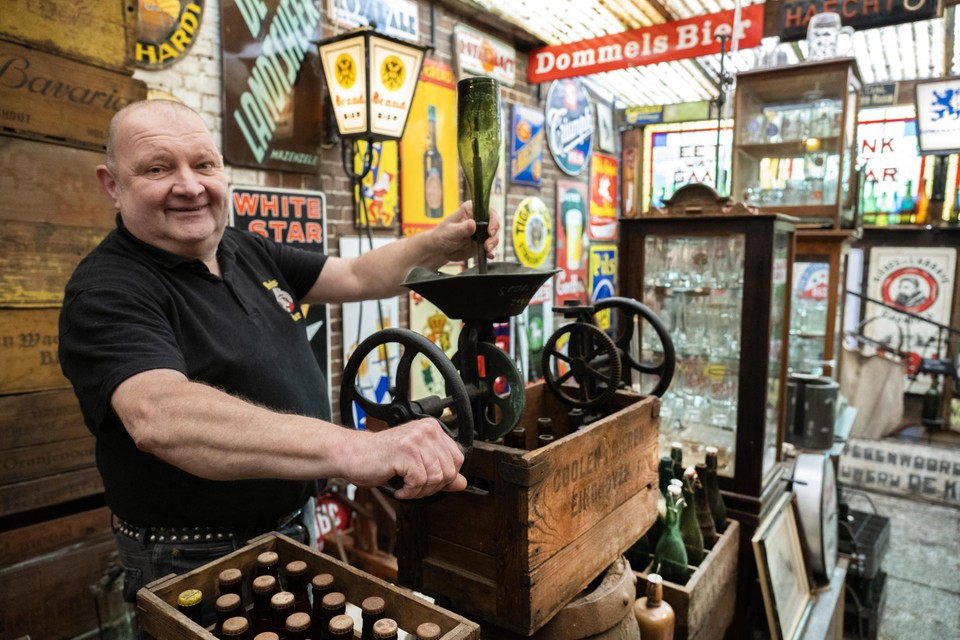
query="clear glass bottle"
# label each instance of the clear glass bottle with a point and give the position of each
(655, 616)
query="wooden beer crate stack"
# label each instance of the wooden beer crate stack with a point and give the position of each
(159, 618)
(705, 605)
(547, 521)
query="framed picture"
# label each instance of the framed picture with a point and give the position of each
(784, 576)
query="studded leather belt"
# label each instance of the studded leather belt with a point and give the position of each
(184, 535)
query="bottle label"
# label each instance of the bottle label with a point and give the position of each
(434, 190)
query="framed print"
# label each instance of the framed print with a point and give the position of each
(784, 577)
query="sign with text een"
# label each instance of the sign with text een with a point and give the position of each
(859, 14)
(675, 40)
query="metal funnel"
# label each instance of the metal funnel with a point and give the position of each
(504, 290)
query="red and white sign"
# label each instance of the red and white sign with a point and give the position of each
(675, 40)
(483, 55)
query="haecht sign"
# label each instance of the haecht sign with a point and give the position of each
(859, 14)
(675, 40)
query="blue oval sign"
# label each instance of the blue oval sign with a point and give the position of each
(569, 123)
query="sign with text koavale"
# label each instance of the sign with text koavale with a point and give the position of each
(859, 14)
(271, 85)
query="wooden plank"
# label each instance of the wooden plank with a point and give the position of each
(93, 31)
(20, 544)
(28, 350)
(37, 260)
(50, 490)
(39, 418)
(49, 597)
(47, 96)
(43, 182)
(37, 461)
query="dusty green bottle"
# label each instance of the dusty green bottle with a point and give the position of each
(704, 516)
(676, 455)
(670, 556)
(714, 499)
(689, 525)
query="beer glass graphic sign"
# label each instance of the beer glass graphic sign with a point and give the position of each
(571, 282)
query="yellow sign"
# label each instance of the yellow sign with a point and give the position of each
(532, 232)
(392, 73)
(346, 70)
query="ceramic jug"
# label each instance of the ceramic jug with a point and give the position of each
(824, 32)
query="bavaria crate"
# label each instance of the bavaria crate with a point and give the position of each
(547, 522)
(158, 616)
(705, 605)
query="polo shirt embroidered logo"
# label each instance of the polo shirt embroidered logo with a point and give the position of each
(284, 299)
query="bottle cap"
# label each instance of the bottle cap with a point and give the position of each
(268, 559)
(372, 605)
(264, 584)
(674, 490)
(228, 602)
(266, 635)
(322, 582)
(341, 625)
(385, 628)
(297, 622)
(230, 576)
(235, 626)
(712, 450)
(333, 600)
(296, 568)
(282, 600)
(189, 598)
(428, 631)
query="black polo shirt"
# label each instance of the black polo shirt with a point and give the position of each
(130, 307)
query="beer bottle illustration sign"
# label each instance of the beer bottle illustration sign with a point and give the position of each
(432, 169)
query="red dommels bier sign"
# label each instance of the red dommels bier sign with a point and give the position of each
(673, 40)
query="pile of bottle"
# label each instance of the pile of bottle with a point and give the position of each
(885, 204)
(545, 433)
(691, 516)
(292, 609)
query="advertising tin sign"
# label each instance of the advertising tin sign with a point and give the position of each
(570, 125)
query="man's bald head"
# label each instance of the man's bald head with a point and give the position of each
(135, 108)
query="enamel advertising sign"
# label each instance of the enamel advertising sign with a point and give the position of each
(570, 126)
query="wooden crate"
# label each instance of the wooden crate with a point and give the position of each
(705, 605)
(550, 521)
(158, 616)
(49, 490)
(29, 339)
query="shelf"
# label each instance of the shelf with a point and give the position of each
(787, 149)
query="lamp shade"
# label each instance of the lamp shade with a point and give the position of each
(371, 78)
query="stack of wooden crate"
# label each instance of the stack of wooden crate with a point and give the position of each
(67, 69)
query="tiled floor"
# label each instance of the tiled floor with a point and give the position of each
(922, 563)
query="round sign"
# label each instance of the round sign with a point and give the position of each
(532, 232)
(569, 124)
(911, 289)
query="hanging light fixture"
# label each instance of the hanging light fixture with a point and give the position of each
(371, 78)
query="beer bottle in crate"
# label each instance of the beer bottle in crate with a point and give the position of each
(230, 581)
(333, 604)
(385, 629)
(320, 585)
(296, 572)
(704, 515)
(371, 610)
(263, 589)
(266, 635)
(298, 626)
(689, 525)
(190, 604)
(717, 508)
(670, 556)
(428, 631)
(229, 605)
(268, 564)
(516, 439)
(235, 628)
(655, 617)
(340, 627)
(282, 605)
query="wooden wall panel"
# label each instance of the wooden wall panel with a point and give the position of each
(17, 545)
(47, 96)
(41, 460)
(100, 32)
(29, 419)
(28, 350)
(43, 492)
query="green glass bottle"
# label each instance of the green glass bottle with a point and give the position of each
(478, 138)
(670, 556)
(907, 204)
(676, 455)
(932, 403)
(714, 499)
(689, 525)
(704, 516)
(665, 471)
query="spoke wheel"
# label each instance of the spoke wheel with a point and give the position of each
(627, 309)
(591, 361)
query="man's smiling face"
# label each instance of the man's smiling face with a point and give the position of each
(167, 180)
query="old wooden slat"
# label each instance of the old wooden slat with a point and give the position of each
(93, 31)
(44, 182)
(17, 545)
(28, 350)
(39, 418)
(37, 461)
(50, 97)
(50, 490)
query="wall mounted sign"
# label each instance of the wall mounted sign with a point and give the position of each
(429, 321)
(397, 18)
(915, 279)
(380, 188)
(603, 198)
(534, 328)
(674, 40)
(532, 232)
(603, 279)
(632, 142)
(479, 54)
(938, 115)
(569, 122)
(859, 14)
(526, 146)
(297, 218)
(887, 147)
(571, 243)
(271, 85)
(606, 134)
(428, 152)
(903, 469)
(881, 94)
(643, 115)
(166, 31)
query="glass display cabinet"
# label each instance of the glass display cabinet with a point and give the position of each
(720, 284)
(819, 283)
(794, 148)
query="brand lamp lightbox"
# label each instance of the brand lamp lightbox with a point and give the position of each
(371, 79)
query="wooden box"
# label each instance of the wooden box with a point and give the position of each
(548, 521)
(158, 616)
(705, 605)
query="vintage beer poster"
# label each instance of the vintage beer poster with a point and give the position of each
(428, 320)
(378, 196)
(532, 232)
(603, 198)
(571, 282)
(526, 146)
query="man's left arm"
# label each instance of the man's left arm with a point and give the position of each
(379, 273)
